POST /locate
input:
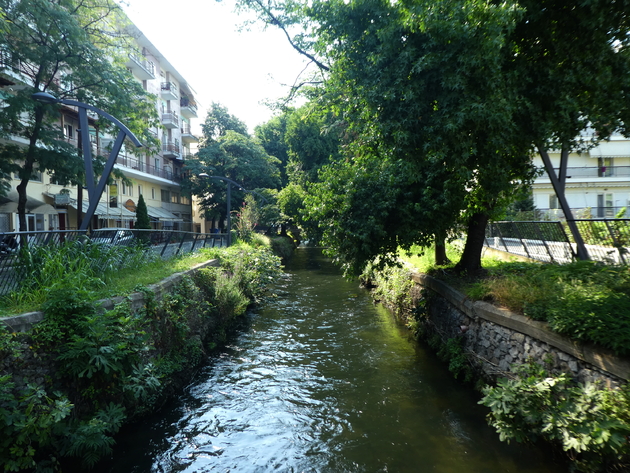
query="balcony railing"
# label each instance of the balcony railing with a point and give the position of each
(170, 120)
(169, 91)
(141, 67)
(187, 135)
(188, 107)
(138, 165)
(171, 149)
(594, 172)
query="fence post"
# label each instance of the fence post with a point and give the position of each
(615, 242)
(520, 237)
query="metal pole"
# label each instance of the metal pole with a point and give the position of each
(229, 220)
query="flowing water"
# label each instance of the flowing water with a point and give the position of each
(322, 380)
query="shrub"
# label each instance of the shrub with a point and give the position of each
(585, 301)
(591, 424)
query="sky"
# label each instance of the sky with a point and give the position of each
(239, 70)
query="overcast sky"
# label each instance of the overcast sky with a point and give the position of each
(200, 38)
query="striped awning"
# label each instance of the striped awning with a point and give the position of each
(162, 214)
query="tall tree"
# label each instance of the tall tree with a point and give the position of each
(219, 121)
(71, 49)
(143, 222)
(271, 136)
(227, 151)
(466, 89)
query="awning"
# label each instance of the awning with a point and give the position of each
(610, 149)
(163, 214)
(45, 209)
(104, 211)
(9, 204)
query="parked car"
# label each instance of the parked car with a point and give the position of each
(113, 236)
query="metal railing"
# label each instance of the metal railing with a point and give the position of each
(607, 240)
(15, 246)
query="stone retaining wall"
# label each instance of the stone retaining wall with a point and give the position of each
(500, 339)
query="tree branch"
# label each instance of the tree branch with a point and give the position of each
(276, 21)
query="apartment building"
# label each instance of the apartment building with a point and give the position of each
(598, 181)
(156, 177)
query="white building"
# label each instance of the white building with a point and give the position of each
(597, 185)
(157, 177)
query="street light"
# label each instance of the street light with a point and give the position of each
(94, 191)
(230, 182)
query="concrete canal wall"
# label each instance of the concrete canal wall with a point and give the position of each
(499, 339)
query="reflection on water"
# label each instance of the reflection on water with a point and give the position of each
(323, 381)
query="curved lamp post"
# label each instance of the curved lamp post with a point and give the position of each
(95, 191)
(230, 183)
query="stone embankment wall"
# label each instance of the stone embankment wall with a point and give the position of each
(499, 339)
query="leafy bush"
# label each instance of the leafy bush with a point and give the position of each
(29, 418)
(586, 301)
(591, 424)
(391, 285)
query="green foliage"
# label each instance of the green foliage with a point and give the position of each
(92, 439)
(247, 219)
(9, 343)
(452, 352)
(29, 418)
(391, 286)
(80, 265)
(65, 314)
(143, 222)
(588, 302)
(590, 423)
(117, 364)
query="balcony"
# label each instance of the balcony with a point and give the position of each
(188, 107)
(170, 120)
(138, 165)
(169, 91)
(170, 149)
(140, 67)
(594, 172)
(187, 136)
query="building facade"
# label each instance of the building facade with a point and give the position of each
(156, 177)
(597, 185)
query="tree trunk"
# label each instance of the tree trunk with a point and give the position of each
(440, 251)
(470, 261)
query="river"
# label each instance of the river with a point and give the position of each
(323, 380)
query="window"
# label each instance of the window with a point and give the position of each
(184, 200)
(553, 201)
(166, 195)
(610, 205)
(139, 190)
(174, 198)
(605, 167)
(130, 189)
(124, 188)
(153, 193)
(68, 132)
(156, 163)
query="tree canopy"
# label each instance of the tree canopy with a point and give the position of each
(227, 151)
(459, 93)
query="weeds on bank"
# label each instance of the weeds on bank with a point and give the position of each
(112, 366)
